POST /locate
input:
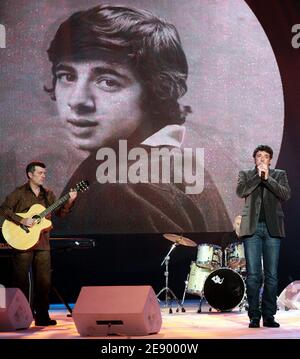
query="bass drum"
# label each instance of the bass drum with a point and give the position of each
(224, 289)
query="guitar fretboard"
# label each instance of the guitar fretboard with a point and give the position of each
(54, 205)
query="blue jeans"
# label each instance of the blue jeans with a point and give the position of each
(262, 245)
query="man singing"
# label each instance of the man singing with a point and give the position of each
(261, 229)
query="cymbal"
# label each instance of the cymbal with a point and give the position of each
(180, 240)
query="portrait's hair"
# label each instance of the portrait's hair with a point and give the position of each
(265, 148)
(149, 44)
(31, 167)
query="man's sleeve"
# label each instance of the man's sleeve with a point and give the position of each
(7, 209)
(246, 185)
(280, 188)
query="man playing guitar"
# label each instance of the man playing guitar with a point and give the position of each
(38, 256)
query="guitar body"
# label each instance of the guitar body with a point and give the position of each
(17, 237)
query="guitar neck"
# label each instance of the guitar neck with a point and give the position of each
(55, 205)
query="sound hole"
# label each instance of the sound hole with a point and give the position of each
(37, 219)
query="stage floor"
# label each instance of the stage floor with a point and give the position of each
(178, 325)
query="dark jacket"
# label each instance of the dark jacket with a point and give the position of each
(276, 190)
(142, 207)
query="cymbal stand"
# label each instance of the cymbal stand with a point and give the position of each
(166, 289)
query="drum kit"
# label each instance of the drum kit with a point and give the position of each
(217, 276)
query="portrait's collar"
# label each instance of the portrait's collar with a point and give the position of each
(170, 135)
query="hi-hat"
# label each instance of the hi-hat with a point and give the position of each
(180, 240)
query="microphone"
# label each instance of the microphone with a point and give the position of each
(262, 175)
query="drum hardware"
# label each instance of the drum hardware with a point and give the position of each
(202, 297)
(200, 304)
(169, 294)
(244, 304)
(184, 292)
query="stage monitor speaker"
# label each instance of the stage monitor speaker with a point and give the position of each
(290, 297)
(117, 310)
(15, 311)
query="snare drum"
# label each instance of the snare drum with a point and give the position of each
(196, 280)
(224, 289)
(209, 256)
(235, 255)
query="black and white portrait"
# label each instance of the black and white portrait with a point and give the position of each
(94, 90)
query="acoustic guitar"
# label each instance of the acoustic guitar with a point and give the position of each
(22, 237)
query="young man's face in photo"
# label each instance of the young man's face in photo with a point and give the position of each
(99, 101)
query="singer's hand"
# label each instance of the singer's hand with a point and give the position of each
(263, 168)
